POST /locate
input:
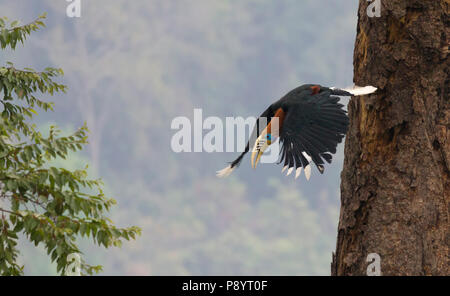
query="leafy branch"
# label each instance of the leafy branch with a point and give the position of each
(50, 205)
(11, 34)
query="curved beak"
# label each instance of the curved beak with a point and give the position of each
(267, 137)
(261, 145)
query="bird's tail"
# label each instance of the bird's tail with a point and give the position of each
(354, 91)
(225, 172)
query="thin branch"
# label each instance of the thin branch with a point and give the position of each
(10, 212)
(23, 26)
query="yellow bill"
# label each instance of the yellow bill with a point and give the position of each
(261, 145)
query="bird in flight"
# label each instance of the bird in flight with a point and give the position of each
(309, 123)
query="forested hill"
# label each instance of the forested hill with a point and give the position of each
(132, 66)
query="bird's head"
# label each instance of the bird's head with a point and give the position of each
(267, 136)
(261, 144)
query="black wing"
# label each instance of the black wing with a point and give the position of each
(311, 130)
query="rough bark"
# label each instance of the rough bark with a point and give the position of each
(395, 190)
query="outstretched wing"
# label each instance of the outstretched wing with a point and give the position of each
(311, 131)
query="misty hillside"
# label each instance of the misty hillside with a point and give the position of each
(133, 66)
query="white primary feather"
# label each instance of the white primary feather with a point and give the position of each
(308, 158)
(225, 172)
(284, 168)
(298, 172)
(289, 171)
(308, 172)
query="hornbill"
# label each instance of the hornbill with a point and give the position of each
(310, 123)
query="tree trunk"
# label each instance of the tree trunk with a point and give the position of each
(395, 190)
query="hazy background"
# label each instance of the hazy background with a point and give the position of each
(132, 66)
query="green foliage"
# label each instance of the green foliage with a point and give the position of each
(50, 205)
(11, 34)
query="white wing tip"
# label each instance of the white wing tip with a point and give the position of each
(289, 171)
(298, 171)
(225, 172)
(361, 90)
(308, 172)
(306, 155)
